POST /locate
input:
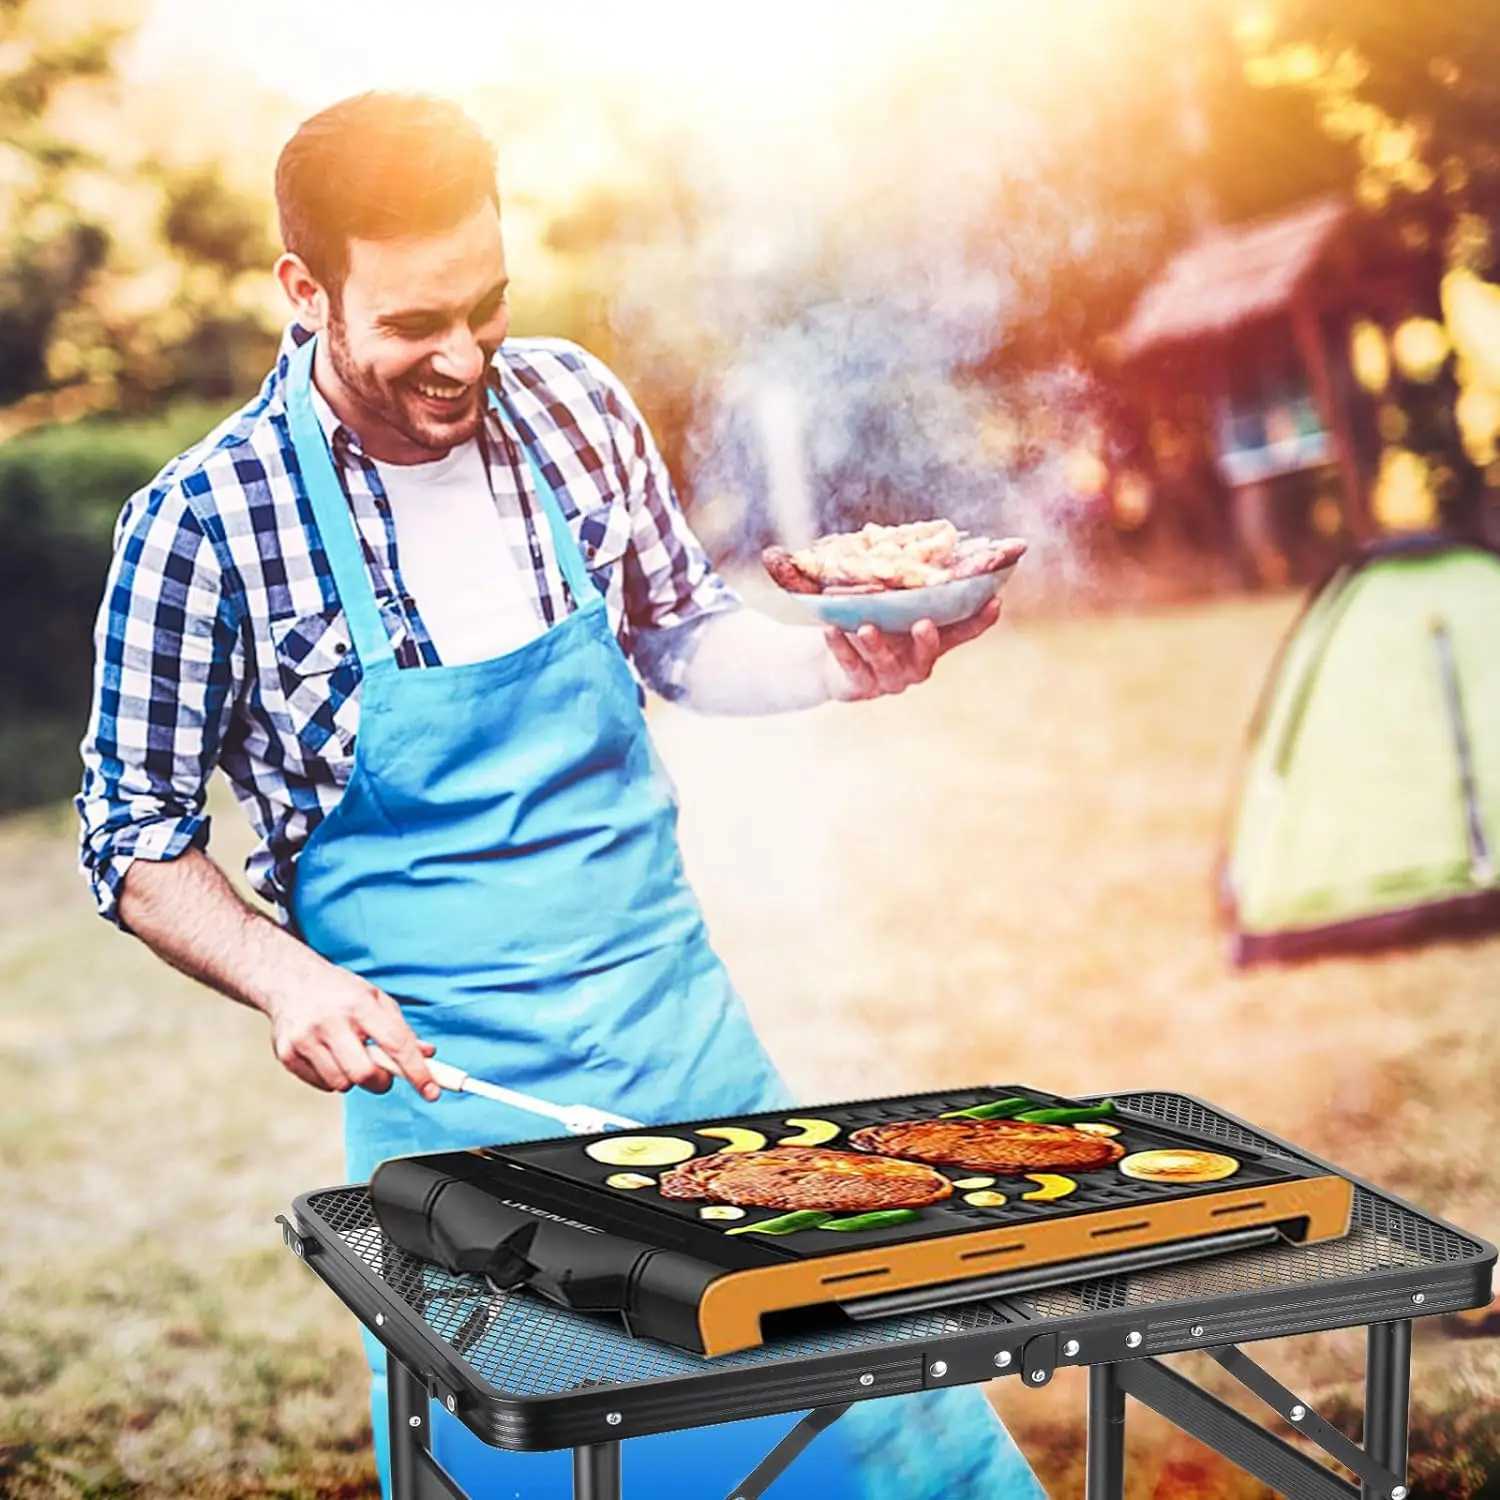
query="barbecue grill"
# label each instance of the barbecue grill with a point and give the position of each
(523, 1373)
(549, 1215)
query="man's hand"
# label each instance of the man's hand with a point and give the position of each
(868, 663)
(319, 1024)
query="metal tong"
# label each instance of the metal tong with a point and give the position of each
(576, 1119)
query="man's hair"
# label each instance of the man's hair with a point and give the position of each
(374, 167)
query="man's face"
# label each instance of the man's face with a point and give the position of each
(412, 332)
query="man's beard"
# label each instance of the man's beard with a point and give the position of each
(398, 404)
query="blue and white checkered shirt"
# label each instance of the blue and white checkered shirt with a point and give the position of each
(221, 642)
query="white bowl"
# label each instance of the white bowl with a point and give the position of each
(897, 610)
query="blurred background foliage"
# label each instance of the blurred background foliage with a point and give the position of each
(945, 243)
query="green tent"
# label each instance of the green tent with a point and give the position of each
(1370, 808)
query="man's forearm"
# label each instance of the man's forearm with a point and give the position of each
(738, 662)
(186, 911)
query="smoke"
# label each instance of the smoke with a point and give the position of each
(847, 275)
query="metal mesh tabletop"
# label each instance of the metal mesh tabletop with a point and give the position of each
(512, 1349)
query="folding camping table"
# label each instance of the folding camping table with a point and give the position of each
(524, 1374)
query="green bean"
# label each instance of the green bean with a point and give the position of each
(1070, 1116)
(806, 1218)
(881, 1219)
(998, 1109)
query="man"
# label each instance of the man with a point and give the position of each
(396, 599)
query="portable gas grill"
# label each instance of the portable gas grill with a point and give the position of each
(709, 1277)
(526, 1374)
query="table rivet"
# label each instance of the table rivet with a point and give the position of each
(613, 1418)
(1399, 1493)
(1038, 1377)
(1419, 1298)
(414, 1421)
(1298, 1412)
(451, 1404)
(867, 1380)
(1196, 1330)
(380, 1320)
(1002, 1360)
(1071, 1347)
(1132, 1340)
(937, 1369)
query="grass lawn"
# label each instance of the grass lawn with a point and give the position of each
(1003, 876)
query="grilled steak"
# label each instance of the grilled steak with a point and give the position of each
(806, 1177)
(1004, 1146)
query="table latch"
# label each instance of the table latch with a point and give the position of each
(1039, 1359)
(302, 1246)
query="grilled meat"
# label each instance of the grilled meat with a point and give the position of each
(982, 554)
(877, 558)
(784, 570)
(790, 1177)
(1012, 1147)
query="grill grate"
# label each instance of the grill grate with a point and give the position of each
(523, 1346)
(1096, 1189)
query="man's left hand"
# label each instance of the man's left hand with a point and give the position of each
(869, 663)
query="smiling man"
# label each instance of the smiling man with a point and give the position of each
(403, 599)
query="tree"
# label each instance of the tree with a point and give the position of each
(120, 275)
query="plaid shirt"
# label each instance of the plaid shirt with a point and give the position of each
(220, 640)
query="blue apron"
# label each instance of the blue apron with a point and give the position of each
(504, 863)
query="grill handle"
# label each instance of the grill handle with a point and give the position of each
(467, 1230)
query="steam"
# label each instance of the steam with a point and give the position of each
(848, 278)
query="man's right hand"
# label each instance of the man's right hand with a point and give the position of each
(319, 1024)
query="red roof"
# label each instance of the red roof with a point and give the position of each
(1229, 276)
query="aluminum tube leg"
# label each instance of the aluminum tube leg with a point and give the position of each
(1387, 1398)
(1106, 1439)
(410, 1435)
(596, 1471)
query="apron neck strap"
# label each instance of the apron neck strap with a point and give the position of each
(564, 543)
(335, 521)
(330, 507)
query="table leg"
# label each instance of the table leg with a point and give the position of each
(415, 1473)
(596, 1471)
(409, 1416)
(1106, 1435)
(1387, 1398)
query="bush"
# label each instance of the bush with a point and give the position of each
(61, 489)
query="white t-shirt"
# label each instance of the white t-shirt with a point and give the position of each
(470, 586)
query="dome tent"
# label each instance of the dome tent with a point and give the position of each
(1369, 812)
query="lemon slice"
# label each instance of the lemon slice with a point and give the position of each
(640, 1150)
(812, 1133)
(1049, 1185)
(735, 1137)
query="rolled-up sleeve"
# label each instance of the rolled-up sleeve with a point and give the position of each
(669, 579)
(166, 667)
